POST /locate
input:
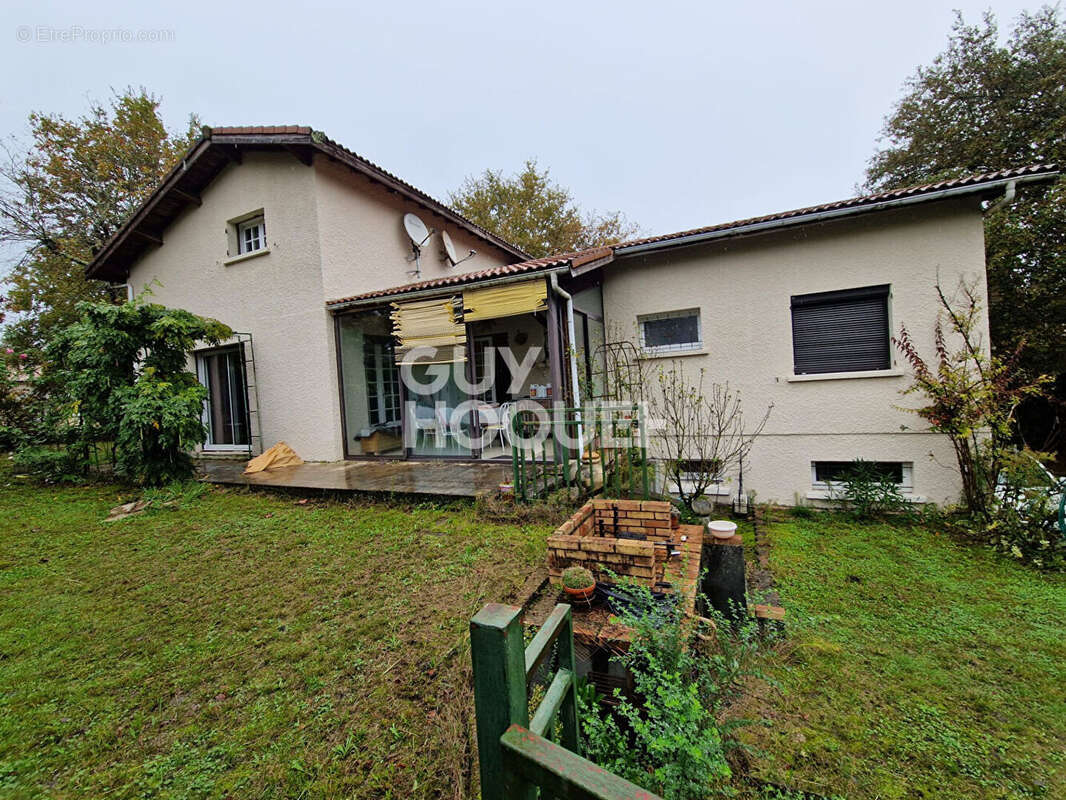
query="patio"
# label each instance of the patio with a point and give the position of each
(437, 478)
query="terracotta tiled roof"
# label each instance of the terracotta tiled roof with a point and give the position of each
(533, 265)
(261, 129)
(856, 202)
(575, 259)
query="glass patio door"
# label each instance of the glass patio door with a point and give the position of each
(226, 407)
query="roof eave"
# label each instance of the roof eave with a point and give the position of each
(987, 187)
(99, 267)
(434, 291)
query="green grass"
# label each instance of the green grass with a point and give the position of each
(916, 667)
(242, 645)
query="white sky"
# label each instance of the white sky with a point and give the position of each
(678, 114)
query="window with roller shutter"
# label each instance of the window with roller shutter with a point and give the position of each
(843, 331)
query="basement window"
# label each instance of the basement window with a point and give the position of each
(671, 332)
(826, 475)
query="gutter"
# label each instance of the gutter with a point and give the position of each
(820, 216)
(571, 356)
(434, 291)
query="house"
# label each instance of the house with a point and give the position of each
(363, 334)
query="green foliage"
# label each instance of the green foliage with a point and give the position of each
(987, 104)
(577, 578)
(67, 194)
(673, 742)
(52, 464)
(535, 214)
(971, 396)
(1024, 523)
(120, 370)
(865, 492)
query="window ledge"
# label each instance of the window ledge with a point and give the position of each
(843, 376)
(246, 256)
(647, 355)
(823, 494)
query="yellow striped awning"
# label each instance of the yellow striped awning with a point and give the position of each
(429, 323)
(493, 302)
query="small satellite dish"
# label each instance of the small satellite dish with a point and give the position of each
(449, 247)
(416, 229)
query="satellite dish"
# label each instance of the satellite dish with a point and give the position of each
(449, 247)
(416, 229)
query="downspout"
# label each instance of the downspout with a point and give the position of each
(1007, 198)
(554, 280)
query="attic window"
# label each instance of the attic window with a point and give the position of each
(251, 235)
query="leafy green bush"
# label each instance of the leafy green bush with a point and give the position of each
(671, 742)
(119, 375)
(865, 492)
(1024, 519)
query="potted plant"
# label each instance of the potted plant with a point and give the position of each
(579, 583)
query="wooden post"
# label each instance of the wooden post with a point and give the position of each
(568, 710)
(500, 698)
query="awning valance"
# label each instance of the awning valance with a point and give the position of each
(493, 302)
(434, 323)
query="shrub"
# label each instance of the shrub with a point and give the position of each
(866, 492)
(1024, 519)
(119, 375)
(672, 742)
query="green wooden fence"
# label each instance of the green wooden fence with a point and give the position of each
(599, 447)
(518, 758)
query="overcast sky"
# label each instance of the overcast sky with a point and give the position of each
(677, 114)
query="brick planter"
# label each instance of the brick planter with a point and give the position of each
(628, 537)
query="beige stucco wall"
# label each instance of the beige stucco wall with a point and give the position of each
(743, 290)
(330, 233)
(364, 246)
(277, 297)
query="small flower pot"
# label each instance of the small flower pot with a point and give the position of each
(580, 594)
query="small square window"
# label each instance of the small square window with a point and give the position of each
(251, 235)
(671, 332)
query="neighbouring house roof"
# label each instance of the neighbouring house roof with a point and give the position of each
(521, 269)
(218, 147)
(984, 184)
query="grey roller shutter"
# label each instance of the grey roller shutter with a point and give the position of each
(844, 331)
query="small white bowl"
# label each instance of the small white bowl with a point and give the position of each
(722, 528)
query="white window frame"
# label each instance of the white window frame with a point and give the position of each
(668, 349)
(246, 225)
(201, 374)
(906, 486)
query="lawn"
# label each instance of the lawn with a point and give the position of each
(242, 645)
(916, 667)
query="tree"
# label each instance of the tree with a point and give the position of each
(532, 212)
(703, 436)
(65, 196)
(984, 105)
(121, 372)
